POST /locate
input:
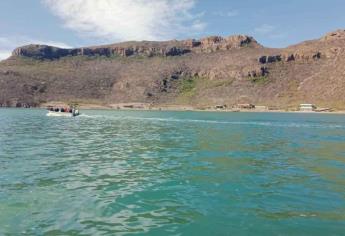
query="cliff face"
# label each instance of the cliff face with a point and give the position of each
(205, 72)
(145, 48)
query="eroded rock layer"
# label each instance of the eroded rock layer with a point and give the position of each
(201, 73)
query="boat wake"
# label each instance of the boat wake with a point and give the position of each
(243, 123)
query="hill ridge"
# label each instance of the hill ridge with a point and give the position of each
(213, 70)
(140, 48)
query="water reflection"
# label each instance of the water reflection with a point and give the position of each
(170, 173)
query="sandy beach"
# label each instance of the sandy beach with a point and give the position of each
(173, 107)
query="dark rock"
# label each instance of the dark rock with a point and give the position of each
(263, 59)
(317, 55)
(269, 59)
(257, 72)
(191, 43)
(272, 59)
(41, 52)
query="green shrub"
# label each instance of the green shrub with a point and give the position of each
(187, 85)
(258, 79)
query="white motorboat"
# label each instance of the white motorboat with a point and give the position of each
(60, 112)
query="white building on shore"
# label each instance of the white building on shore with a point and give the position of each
(307, 107)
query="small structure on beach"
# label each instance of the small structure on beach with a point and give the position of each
(307, 107)
(220, 107)
(261, 108)
(128, 106)
(324, 109)
(245, 106)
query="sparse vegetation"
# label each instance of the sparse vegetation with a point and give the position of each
(219, 83)
(187, 85)
(187, 88)
(190, 87)
(139, 78)
(258, 79)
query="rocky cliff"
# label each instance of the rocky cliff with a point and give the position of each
(145, 48)
(205, 72)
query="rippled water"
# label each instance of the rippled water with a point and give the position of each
(171, 173)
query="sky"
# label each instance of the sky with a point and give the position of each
(77, 23)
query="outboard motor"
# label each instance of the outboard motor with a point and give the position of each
(75, 112)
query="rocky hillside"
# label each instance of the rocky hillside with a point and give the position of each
(146, 48)
(200, 73)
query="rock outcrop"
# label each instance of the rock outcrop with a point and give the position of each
(205, 72)
(147, 49)
(259, 71)
(270, 59)
(300, 55)
(335, 35)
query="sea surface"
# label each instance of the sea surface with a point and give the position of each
(171, 173)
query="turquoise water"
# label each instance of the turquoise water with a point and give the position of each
(171, 173)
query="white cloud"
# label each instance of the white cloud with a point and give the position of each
(121, 20)
(230, 13)
(270, 32)
(4, 54)
(278, 35)
(264, 29)
(8, 43)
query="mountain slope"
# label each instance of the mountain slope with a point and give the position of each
(200, 73)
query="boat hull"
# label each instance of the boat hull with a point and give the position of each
(63, 114)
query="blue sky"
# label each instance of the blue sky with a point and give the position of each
(75, 23)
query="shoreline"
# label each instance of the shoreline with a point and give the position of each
(171, 107)
(178, 108)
